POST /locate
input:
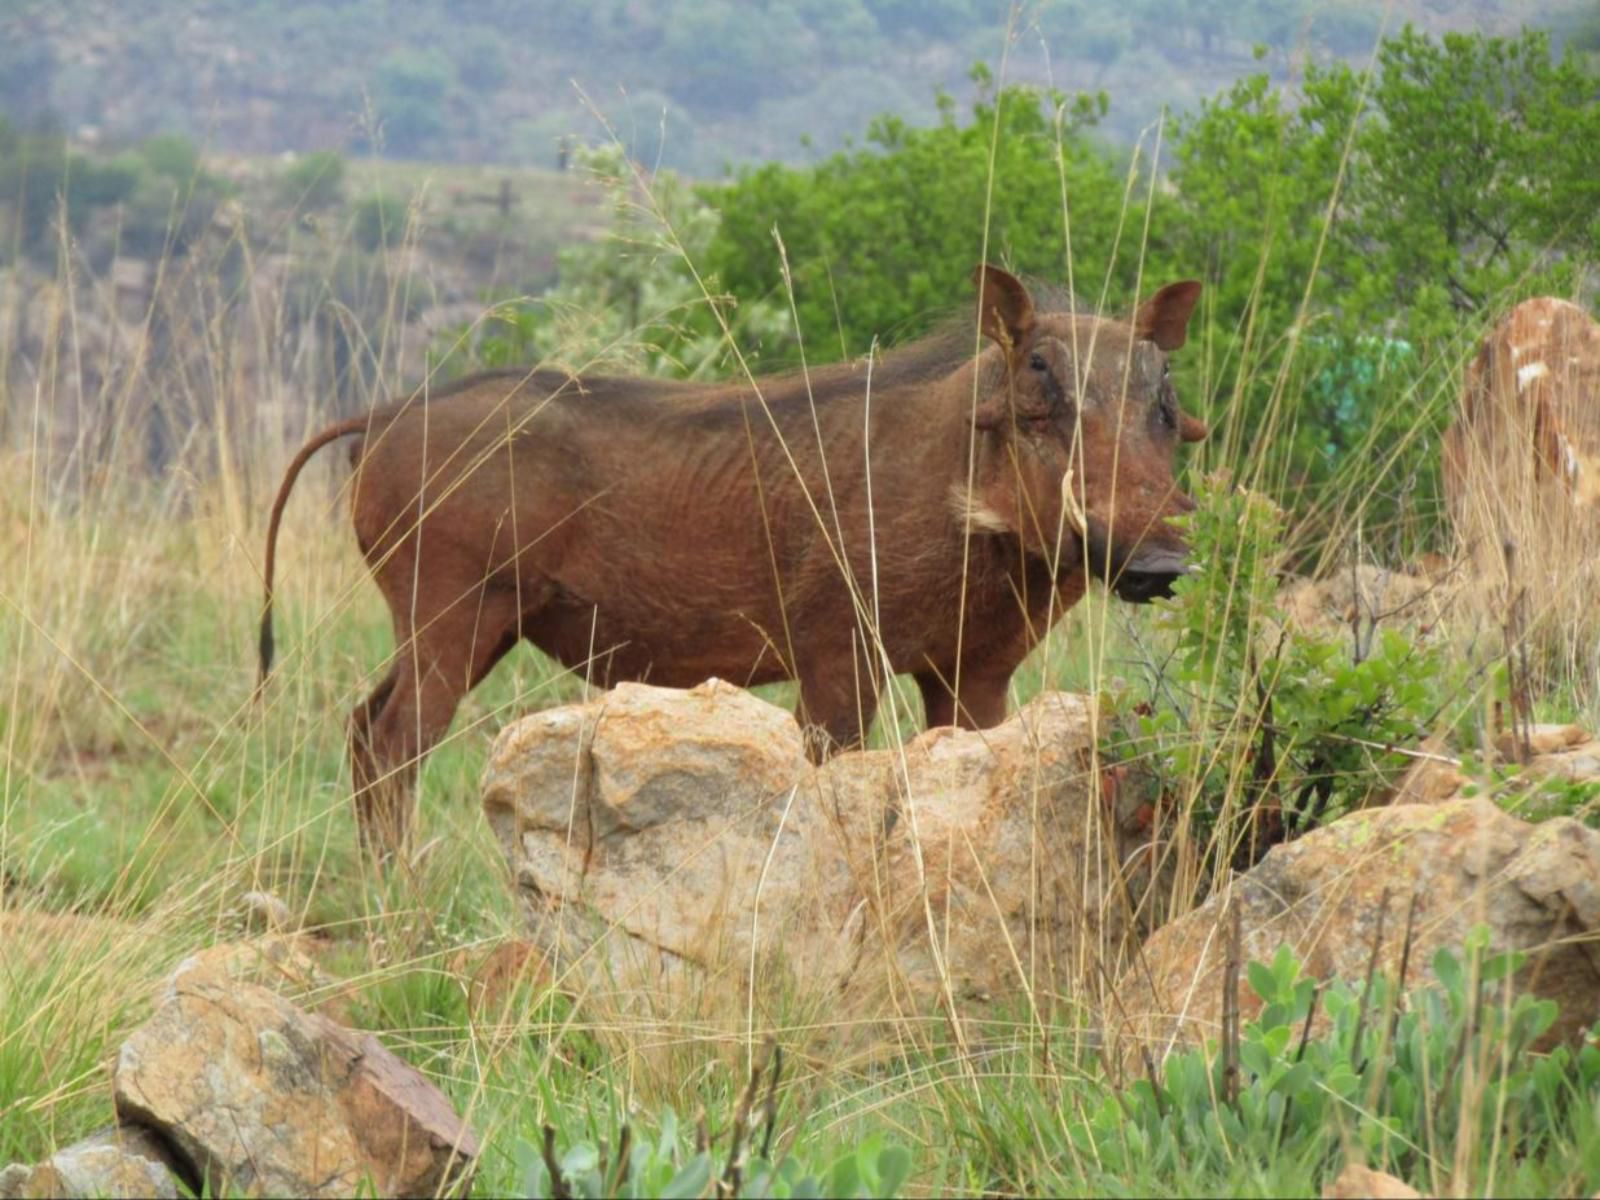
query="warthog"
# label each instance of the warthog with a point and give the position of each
(930, 512)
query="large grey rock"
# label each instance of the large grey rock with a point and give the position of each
(997, 874)
(643, 827)
(263, 1098)
(659, 836)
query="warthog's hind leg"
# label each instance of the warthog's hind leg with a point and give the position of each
(364, 773)
(395, 728)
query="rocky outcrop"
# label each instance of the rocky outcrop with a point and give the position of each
(658, 835)
(640, 829)
(1466, 862)
(986, 859)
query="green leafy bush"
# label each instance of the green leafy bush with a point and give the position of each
(40, 179)
(1409, 206)
(173, 202)
(1266, 729)
(880, 243)
(173, 156)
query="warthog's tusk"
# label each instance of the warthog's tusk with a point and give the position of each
(1074, 510)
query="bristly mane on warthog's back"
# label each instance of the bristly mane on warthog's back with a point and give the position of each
(931, 513)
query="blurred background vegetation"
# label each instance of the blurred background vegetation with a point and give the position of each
(1359, 201)
(693, 84)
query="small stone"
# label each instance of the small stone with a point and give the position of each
(267, 1099)
(14, 1181)
(120, 1161)
(1356, 1181)
(264, 911)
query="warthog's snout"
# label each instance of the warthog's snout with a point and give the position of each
(1142, 572)
(1148, 574)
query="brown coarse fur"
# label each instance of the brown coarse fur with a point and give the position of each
(929, 513)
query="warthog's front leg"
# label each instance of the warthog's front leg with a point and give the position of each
(836, 708)
(982, 704)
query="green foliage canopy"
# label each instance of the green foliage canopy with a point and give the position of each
(881, 241)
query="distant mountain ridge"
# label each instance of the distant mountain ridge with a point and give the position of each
(691, 83)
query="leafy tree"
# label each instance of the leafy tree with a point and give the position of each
(1257, 177)
(880, 242)
(173, 201)
(1401, 212)
(1476, 168)
(40, 179)
(409, 90)
(171, 155)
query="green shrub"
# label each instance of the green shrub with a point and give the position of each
(1262, 728)
(1391, 1081)
(39, 176)
(379, 221)
(880, 243)
(173, 201)
(314, 180)
(173, 156)
(677, 1163)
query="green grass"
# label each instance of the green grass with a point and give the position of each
(155, 793)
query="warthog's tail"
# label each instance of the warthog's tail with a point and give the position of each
(331, 434)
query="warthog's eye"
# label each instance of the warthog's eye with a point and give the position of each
(1037, 362)
(1167, 408)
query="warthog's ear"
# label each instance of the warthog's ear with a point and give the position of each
(1005, 310)
(1164, 318)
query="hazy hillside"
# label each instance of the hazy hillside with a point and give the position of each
(697, 82)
